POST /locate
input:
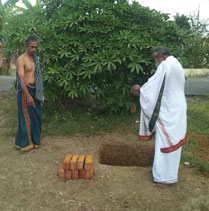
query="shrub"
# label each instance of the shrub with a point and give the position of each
(95, 48)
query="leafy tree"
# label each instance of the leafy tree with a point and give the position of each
(20, 25)
(52, 6)
(103, 48)
(5, 12)
(182, 21)
(28, 4)
(95, 48)
(199, 27)
(197, 44)
(5, 9)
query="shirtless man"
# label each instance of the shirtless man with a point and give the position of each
(26, 69)
(29, 97)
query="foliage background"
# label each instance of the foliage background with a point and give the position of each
(97, 49)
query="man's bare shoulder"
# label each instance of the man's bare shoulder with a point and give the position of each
(21, 59)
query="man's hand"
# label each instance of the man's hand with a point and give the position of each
(30, 101)
(135, 90)
(45, 99)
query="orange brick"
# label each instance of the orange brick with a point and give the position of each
(82, 174)
(61, 172)
(74, 174)
(66, 164)
(89, 173)
(88, 162)
(68, 174)
(80, 162)
(73, 162)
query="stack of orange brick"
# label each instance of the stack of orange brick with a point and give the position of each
(76, 167)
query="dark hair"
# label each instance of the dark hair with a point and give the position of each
(160, 50)
(31, 38)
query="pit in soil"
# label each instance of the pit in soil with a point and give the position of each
(126, 155)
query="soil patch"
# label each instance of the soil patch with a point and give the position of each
(29, 180)
(127, 155)
(112, 188)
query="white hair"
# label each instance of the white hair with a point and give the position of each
(161, 51)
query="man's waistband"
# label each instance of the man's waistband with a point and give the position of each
(32, 86)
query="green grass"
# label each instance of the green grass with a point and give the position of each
(77, 119)
(195, 162)
(197, 122)
(199, 203)
(198, 115)
(57, 121)
(192, 145)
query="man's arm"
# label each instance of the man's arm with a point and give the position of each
(21, 73)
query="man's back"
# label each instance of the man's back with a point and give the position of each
(175, 79)
(173, 103)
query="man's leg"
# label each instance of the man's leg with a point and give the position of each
(165, 165)
(36, 122)
(23, 139)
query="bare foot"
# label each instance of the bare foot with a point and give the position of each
(31, 150)
(161, 185)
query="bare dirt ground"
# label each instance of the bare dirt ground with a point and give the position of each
(29, 180)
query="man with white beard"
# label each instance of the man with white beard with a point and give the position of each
(163, 113)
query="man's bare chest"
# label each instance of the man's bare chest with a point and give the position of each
(29, 67)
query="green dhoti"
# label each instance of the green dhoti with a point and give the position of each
(29, 120)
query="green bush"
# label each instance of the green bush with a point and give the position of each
(18, 27)
(95, 48)
(196, 46)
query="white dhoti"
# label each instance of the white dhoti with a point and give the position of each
(163, 113)
(165, 165)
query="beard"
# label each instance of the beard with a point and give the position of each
(157, 64)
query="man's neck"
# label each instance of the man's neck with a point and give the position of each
(28, 55)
